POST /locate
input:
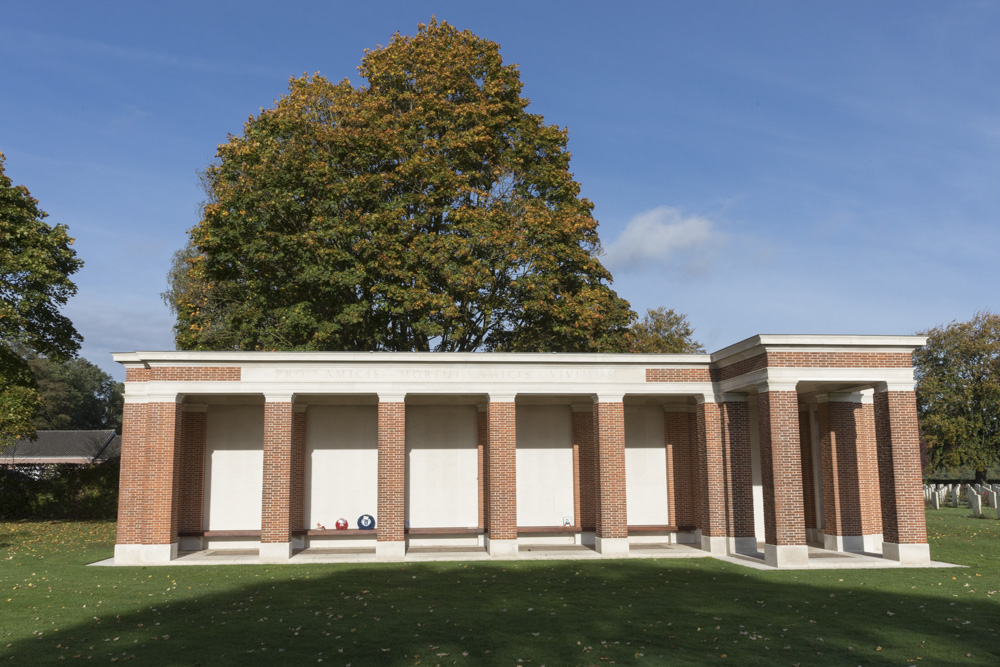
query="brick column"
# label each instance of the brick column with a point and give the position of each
(850, 500)
(501, 462)
(482, 437)
(131, 484)
(781, 475)
(609, 441)
(149, 481)
(298, 491)
(194, 430)
(739, 473)
(871, 501)
(390, 522)
(711, 475)
(808, 477)
(680, 469)
(583, 444)
(276, 502)
(898, 446)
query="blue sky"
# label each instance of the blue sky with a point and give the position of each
(764, 167)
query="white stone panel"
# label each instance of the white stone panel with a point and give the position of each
(341, 464)
(442, 466)
(645, 466)
(234, 467)
(544, 465)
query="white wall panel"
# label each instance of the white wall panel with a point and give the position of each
(234, 467)
(442, 466)
(341, 464)
(544, 465)
(645, 466)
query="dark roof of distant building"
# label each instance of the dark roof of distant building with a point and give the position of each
(65, 447)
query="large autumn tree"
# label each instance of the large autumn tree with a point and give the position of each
(36, 261)
(958, 393)
(426, 209)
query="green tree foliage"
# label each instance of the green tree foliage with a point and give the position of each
(424, 210)
(661, 330)
(76, 395)
(958, 393)
(36, 260)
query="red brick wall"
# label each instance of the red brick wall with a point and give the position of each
(298, 490)
(711, 469)
(871, 500)
(781, 468)
(132, 476)
(697, 493)
(609, 431)
(184, 374)
(680, 468)
(276, 525)
(739, 468)
(502, 471)
(898, 451)
(162, 484)
(389, 524)
(482, 437)
(583, 442)
(678, 375)
(194, 427)
(808, 480)
(786, 359)
(851, 499)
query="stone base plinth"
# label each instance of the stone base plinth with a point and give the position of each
(390, 550)
(786, 555)
(275, 552)
(501, 548)
(145, 554)
(611, 546)
(907, 554)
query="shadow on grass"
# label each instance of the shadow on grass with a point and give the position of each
(554, 613)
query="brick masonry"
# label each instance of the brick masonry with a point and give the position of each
(711, 469)
(808, 478)
(738, 467)
(276, 510)
(583, 442)
(781, 467)
(680, 468)
(609, 431)
(502, 470)
(389, 524)
(851, 503)
(194, 430)
(184, 374)
(898, 453)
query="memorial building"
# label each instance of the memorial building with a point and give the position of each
(772, 444)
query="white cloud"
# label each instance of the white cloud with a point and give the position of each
(665, 239)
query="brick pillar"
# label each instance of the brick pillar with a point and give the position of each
(131, 483)
(695, 478)
(680, 468)
(501, 461)
(898, 447)
(390, 522)
(194, 430)
(850, 499)
(871, 501)
(808, 478)
(482, 437)
(739, 473)
(276, 509)
(583, 442)
(298, 491)
(609, 443)
(149, 505)
(711, 475)
(781, 476)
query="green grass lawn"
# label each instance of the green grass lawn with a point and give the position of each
(688, 611)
